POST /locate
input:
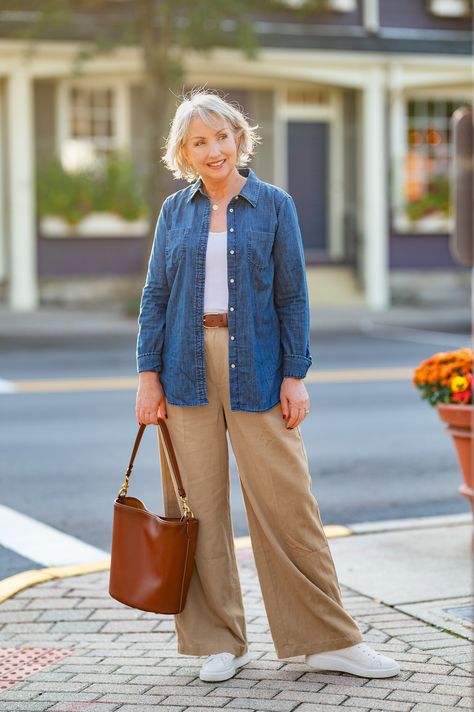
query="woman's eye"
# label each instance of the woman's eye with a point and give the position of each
(223, 136)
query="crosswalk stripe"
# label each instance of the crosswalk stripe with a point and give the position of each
(41, 543)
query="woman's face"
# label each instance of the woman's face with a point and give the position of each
(211, 150)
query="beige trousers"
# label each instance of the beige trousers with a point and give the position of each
(295, 568)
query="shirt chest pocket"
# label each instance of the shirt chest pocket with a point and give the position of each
(259, 248)
(175, 246)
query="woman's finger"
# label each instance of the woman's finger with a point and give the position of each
(293, 417)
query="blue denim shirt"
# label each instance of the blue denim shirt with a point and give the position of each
(268, 311)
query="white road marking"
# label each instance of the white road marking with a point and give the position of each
(41, 543)
(7, 386)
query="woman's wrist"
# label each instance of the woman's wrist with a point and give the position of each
(149, 375)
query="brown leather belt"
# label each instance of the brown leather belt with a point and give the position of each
(212, 320)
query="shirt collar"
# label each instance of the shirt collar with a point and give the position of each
(249, 191)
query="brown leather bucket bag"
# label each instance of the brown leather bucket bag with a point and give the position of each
(152, 556)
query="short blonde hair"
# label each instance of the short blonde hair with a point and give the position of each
(207, 105)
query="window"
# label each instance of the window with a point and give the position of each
(91, 116)
(90, 128)
(428, 158)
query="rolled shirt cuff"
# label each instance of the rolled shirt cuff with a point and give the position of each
(295, 366)
(148, 362)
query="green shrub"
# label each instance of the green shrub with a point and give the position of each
(112, 186)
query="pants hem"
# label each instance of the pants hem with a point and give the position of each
(291, 651)
(206, 650)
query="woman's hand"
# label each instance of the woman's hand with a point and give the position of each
(151, 401)
(294, 401)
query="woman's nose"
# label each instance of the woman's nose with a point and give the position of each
(214, 150)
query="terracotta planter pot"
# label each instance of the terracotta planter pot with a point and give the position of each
(459, 419)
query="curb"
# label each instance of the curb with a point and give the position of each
(26, 579)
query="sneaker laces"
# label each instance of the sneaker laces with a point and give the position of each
(367, 650)
(215, 656)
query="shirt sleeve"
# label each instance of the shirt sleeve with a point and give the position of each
(291, 292)
(154, 301)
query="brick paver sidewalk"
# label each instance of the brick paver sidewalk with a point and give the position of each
(66, 646)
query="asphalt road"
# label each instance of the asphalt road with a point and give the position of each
(376, 451)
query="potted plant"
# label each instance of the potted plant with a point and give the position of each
(106, 199)
(445, 380)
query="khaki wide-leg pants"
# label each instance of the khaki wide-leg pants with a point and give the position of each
(295, 568)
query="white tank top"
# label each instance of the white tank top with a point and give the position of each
(216, 289)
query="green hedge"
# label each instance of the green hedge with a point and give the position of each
(112, 187)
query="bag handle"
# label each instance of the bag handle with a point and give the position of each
(173, 461)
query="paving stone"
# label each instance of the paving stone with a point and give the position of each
(110, 614)
(79, 707)
(26, 628)
(77, 627)
(109, 678)
(51, 686)
(256, 704)
(39, 603)
(385, 705)
(131, 699)
(146, 708)
(18, 616)
(390, 684)
(423, 707)
(78, 669)
(75, 697)
(453, 679)
(310, 707)
(326, 696)
(125, 688)
(50, 677)
(65, 614)
(25, 706)
(428, 698)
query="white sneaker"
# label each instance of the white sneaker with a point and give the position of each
(357, 659)
(222, 666)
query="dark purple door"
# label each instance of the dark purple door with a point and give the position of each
(308, 182)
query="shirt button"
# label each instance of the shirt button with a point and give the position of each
(231, 210)
(232, 252)
(231, 279)
(232, 338)
(231, 229)
(232, 365)
(231, 308)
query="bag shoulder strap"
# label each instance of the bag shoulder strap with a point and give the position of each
(172, 458)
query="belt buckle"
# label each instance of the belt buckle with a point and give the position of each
(204, 323)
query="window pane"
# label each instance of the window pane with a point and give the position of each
(92, 116)
(429, 151)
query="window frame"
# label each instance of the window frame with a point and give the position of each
(120, 115)
(400, 222)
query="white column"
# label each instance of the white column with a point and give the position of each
(398, 142)
(374, 171)
(23, 294)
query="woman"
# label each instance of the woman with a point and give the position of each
(223, 347)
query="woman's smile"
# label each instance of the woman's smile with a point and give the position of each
(215, 165)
